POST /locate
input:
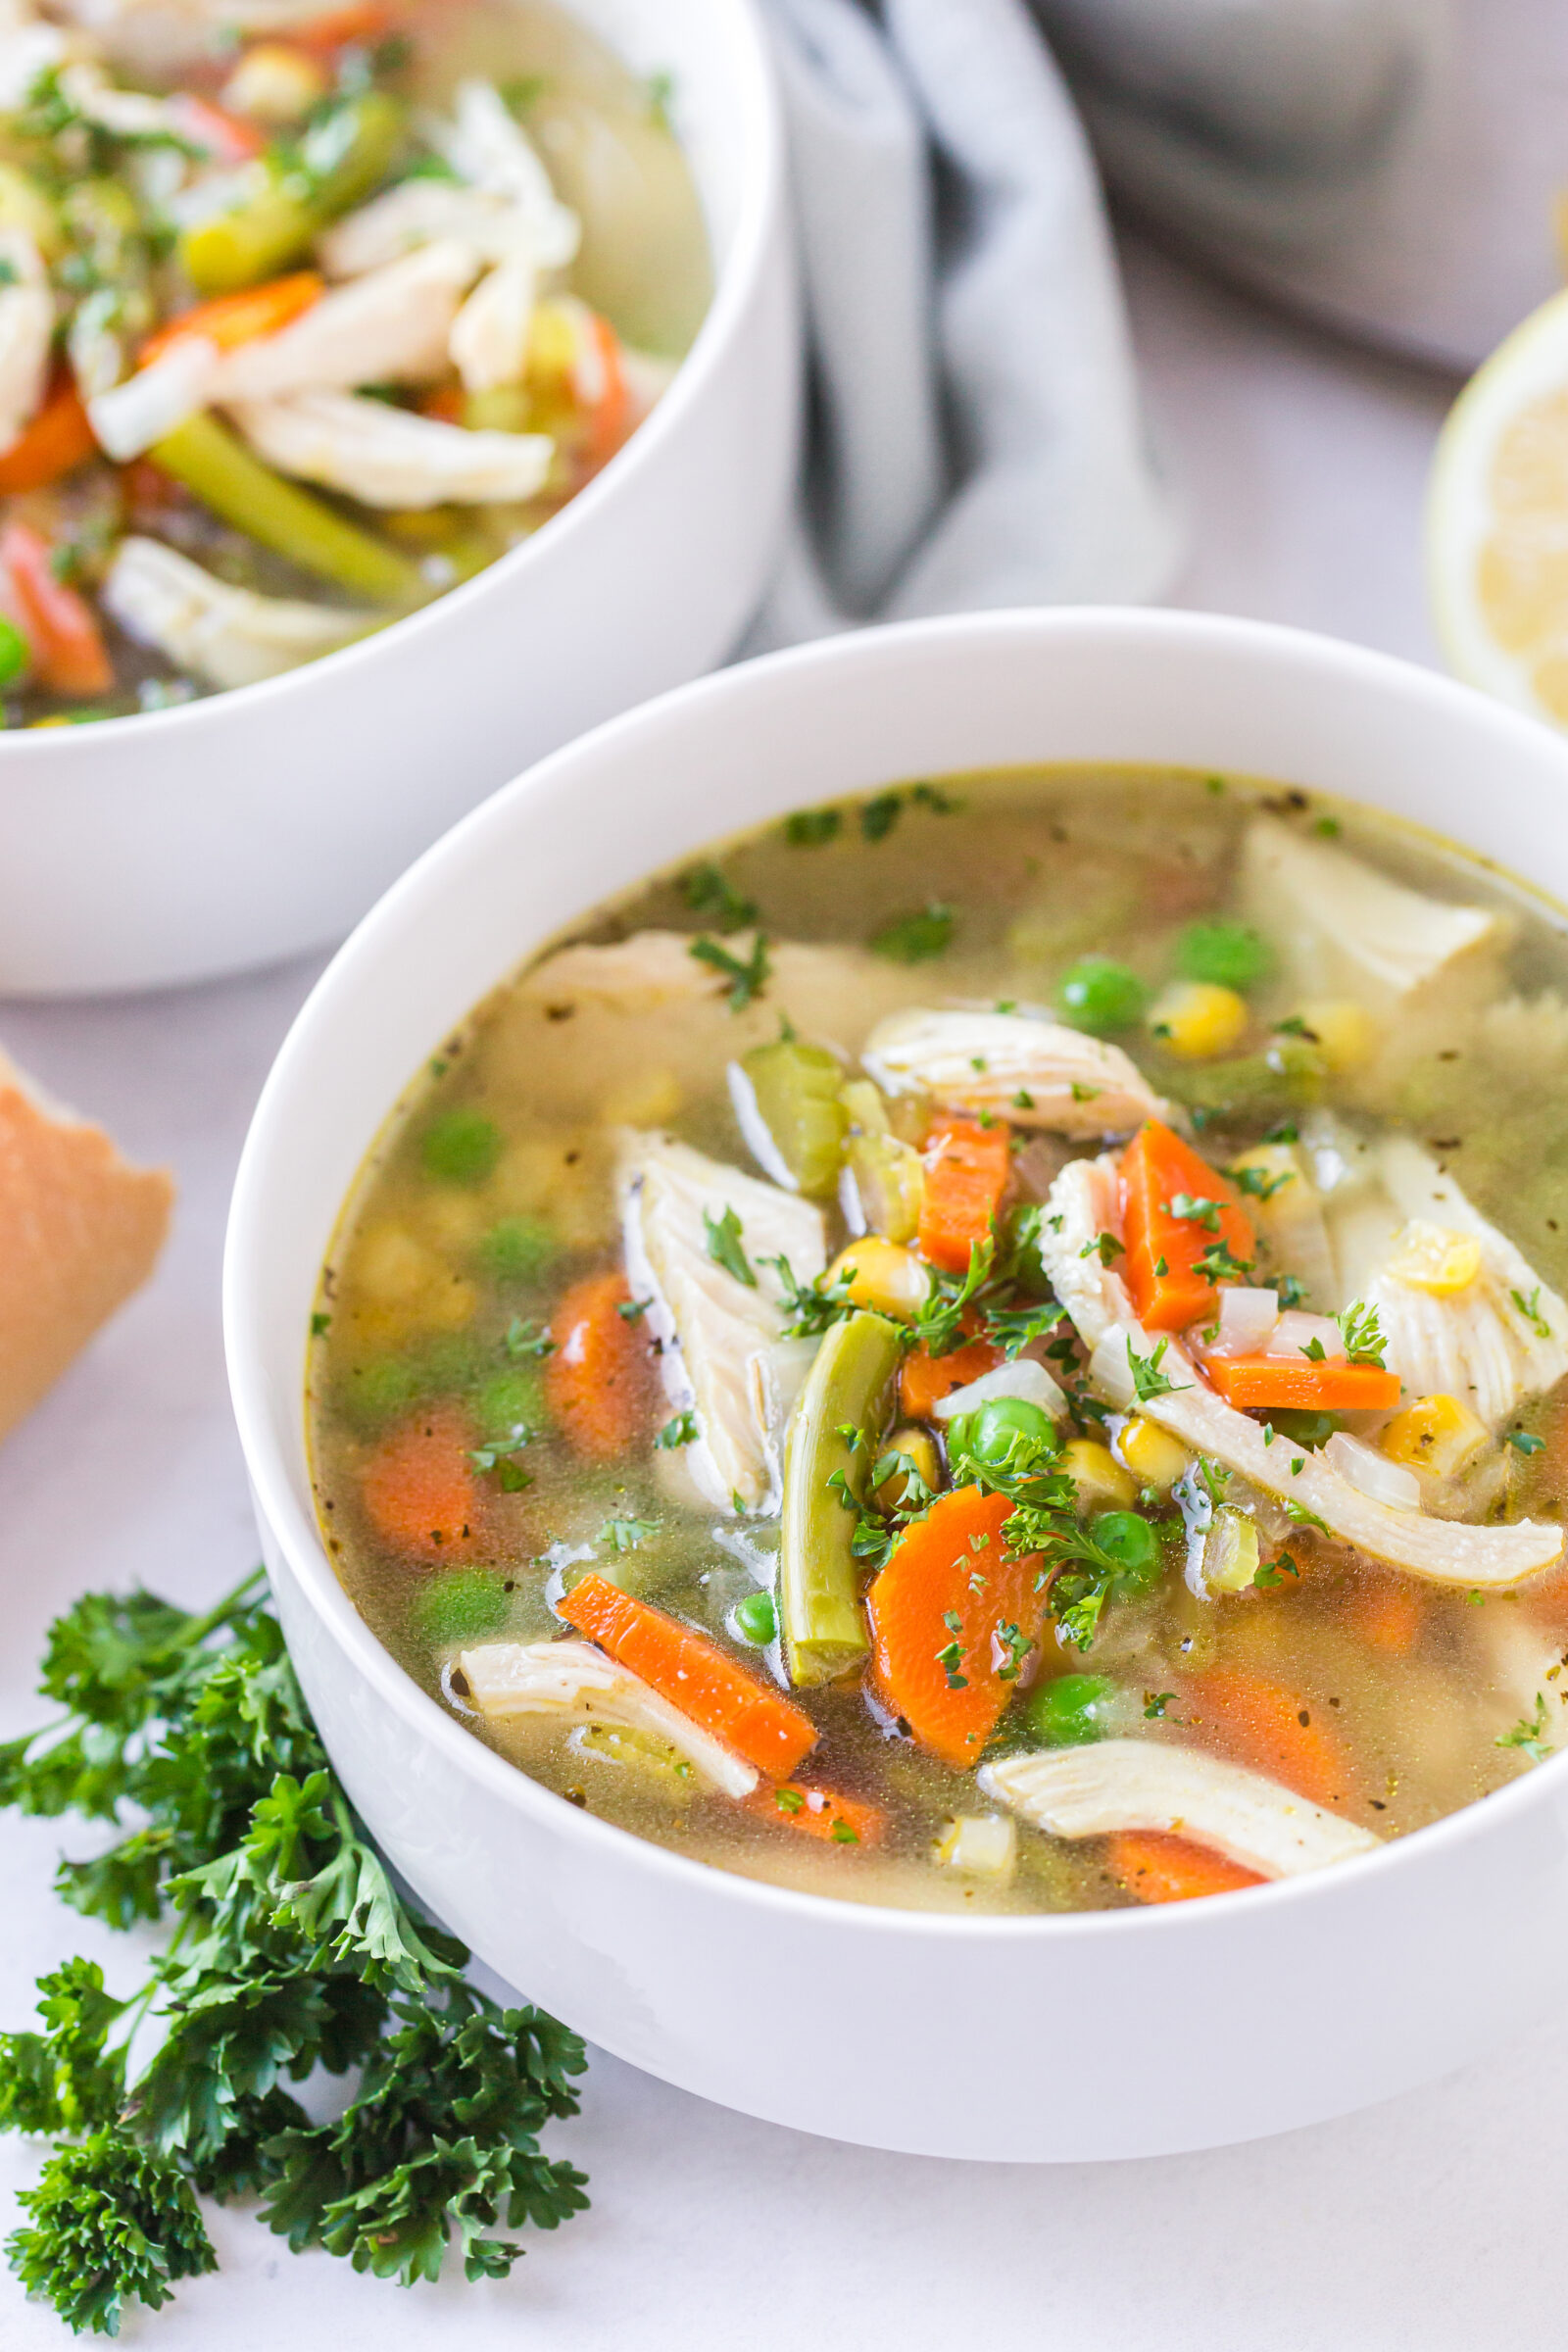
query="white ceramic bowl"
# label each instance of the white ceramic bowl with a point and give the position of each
(251, 826)
(1112, 2033)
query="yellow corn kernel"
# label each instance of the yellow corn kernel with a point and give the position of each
(453, 1219)
(922, 1448)
(1196, 1018)
(883, 1276)
(651, 1101)
(449, 1303)
(390, 1269)
(1434, 1258)
(1102, 1484)
(274, 83)
(1153, 1456)
(1435, 1433)
(1347, 1034)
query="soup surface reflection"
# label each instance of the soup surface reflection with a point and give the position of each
(997, 1348)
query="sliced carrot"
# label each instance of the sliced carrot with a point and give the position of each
(599, 1383)
(1158, 1868)
(227, 138)
(952, 1619)
(58, 439)
(418, 1488)
(446, 405)
(62, 636)
(926, 1379)
(694, 1675)
(819, 1813)
(1387, 1616)
(966, 1170)
(230, 319)
(1160, 1267)
(609, 417)
(1263, 1722)
(1253, 1383)
(335, 27)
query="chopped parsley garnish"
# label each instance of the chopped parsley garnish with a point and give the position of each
(1288, 1290)
(1306, 1518)
(811, 1307)
(950, 1658)
(1013, 1329)
(1531, 1735)
(1272, 1573)
(789, 1800)
(879, 815)
(918, 937)
(631, 1311)
(1257, 1184)
(725, 1249)
(1362, 1334)
(320, 1325)
(1148, 1381)
(1156, 1703)
(939, 1326)
(707, 890)
(747, 980)
(1023, 1099)
(1104, 1247)
(682, 1431)
(1529, 1309)
(1196, 1208)
(1522, 1442)
(1219, 1263)
(809, 828)
(526, 1337)
(497, 1456)
(625, 1533)
(1086, 1094)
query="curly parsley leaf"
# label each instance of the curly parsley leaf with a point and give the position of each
(1362, 1334)
(746, 981)
(727, 1247)
(1531, 1735)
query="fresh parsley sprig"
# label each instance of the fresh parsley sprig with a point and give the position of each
(291, 1950)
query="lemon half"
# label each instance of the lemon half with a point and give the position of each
(1497, 522)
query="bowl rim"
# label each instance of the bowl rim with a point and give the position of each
(295, 1530)
(759, 215)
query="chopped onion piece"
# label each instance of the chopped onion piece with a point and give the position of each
(1293, 1334)
(982, 1846)
(1373, 1474)
(1024, 1379)
(1245, 1320)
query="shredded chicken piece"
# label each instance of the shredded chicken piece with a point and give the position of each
(1034, 1073)
(420, 211)
(392, 325)
(489, 340)
(1085, 1201)
(486, 146)
(1343, 929)
(1500, 1339)
(1149, 1785)
(386, 457)
(577, 1682)
(128, 417)
(1527, 1665)
(229, 636)
(27, 330)
(722, 1352)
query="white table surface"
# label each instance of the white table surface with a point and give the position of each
(1433, 2222)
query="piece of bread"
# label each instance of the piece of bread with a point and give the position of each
(80, 1230)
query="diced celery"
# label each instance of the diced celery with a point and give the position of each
(888, 1175)
(795, 1090)
(849, 1386)
(290, 195)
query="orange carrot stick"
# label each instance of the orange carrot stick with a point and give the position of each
(609, 416)
(599, 1383)
(1160, 1267)
(1161, 1869)
(66, 642)
(230, 319)
(694, 1675)
(1263, 1722)
(58, 439)
(418, 1488)
(967, 1169)
(1253, 1383)
(1389, 1616)
(819, 1813)
(952, 1619)
(924, 1380)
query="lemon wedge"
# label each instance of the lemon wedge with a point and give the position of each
(1497, 522)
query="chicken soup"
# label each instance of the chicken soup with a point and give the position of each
(992, 1349)
(307, 314)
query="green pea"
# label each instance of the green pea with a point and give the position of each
(461, 1605)
(1133, 1543)
(1313, 1430)
(461, 1146)
(13, 656)
(997, 1427)
(1099, 994)
(755, 1619)
(1230, 954)
(1070, 1709)
(509, 1399)
(518, 1249)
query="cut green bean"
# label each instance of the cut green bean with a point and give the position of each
(221, 473)
(849, 1386)
(292, 194)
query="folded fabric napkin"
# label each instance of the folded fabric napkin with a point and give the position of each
(976, 438)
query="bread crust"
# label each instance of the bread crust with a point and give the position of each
(81, 1229)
